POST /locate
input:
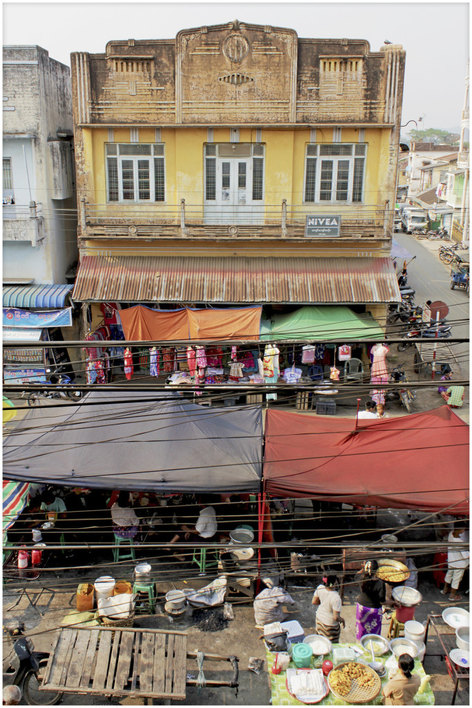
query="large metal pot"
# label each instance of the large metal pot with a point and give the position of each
(389, 564)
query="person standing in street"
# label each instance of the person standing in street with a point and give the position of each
(328, 615)
(457, 562)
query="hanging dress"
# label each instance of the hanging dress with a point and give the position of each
(128, 359)
(191, 360)
(379, 372)
(154, 369)
(270, 365)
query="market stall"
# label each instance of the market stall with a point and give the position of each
(332, 460)
(129, 440)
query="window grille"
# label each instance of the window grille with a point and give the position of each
(340, 178)
(7, 173)
(135, 172)
(210, 179)
(257, 178)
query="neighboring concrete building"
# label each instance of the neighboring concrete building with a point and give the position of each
(39, 210)
(424, 155)
(458, 179)
(200, 158)
(38, 181)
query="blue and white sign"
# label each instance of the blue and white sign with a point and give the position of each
(328, 225)
(14, 317)
(20, 376)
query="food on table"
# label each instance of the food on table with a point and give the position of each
(378, 647)
(342, 680)
(319, 646)
(404, 649)
(391, 575)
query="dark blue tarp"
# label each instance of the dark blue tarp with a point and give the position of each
(129, 441)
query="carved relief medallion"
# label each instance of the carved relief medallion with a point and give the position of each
(235, 47)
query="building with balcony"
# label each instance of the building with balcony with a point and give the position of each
(39, 220)
(237, 164)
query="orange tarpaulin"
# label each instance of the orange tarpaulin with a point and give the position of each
(142, 323)
(230, 323)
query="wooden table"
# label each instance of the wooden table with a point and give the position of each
(118, 661)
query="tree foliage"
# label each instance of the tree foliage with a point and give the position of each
(434, 135)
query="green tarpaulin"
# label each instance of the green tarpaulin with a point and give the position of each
(324, 323)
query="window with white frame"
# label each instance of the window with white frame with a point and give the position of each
(8, 194)
(135, 172)
(334, 172)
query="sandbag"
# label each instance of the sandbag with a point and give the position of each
(268, 605)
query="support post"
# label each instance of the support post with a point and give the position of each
(182, 217)
(284, 218)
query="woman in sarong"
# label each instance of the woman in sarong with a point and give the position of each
(328, 614)
(369, 602)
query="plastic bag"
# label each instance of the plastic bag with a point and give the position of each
(228, 613)
(117, 606)
(209, 596)
(268, 605)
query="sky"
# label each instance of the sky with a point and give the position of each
(435, 36)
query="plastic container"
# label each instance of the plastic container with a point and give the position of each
(142, 572)
(122, 586)
(85, 596)
(404, 614)
(37, 553)
(37, 536)
(104, 586)
(295, 633)
(23, 559)
(242, 535)
(301, 655)
(176, 599)
(414, 631)
(462, 638)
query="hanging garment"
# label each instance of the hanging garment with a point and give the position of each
(128, 360)
(191, 360)
(101, 377)
(379, 364)
(247, 360)
(154, 369)
(334, 373)
(201, 357)
(214, 356)
(271, 361)
(344, 352)
(234, 353)
(260, 367)
(91, 373)
(236, 370)
(168, 359)
(308, 354)
(320, 350)
(292, 375)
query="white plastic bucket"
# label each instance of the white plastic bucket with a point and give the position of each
(421, 650)
(176, 599)
(104, 586)
(414, 631)
(242, 535)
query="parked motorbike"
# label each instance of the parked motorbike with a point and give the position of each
(406, 314)
(404, 395)
(429, 332)
(59, 378)
(28, 675)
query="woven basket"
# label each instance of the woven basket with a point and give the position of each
(126, 622)
(358, 694)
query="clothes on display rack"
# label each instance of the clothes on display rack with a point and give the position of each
(128, 363)
(191, 360)
(168, 354)
(308, 354)
(271, 368)
(154, 364)
(379, 372)
(201, 357)
(292, 374)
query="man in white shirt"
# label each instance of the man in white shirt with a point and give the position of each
(206, 525)
(370, 411)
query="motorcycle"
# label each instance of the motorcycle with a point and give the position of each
(58, 378)
(429, 332)
(406, 314)
(404, 395)
(28, 675)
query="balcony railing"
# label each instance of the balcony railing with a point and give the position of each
(23, 223)
(267, 221)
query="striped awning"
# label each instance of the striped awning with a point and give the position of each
(15, 498)
(36, 296)
(236, 280)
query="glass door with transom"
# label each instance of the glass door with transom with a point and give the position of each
(234, 183)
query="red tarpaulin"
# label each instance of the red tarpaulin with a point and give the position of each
(417, 461)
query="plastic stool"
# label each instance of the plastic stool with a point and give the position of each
(200, 558)
(395, 627)
(120, 553)
(148, 589)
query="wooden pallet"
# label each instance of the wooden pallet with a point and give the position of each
(114, 661)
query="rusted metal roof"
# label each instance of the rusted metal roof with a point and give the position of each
(235, 280)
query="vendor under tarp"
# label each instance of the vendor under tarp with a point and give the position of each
(130, 441)
(417, 462)
(325, 323)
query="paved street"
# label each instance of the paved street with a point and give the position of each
(430, 278)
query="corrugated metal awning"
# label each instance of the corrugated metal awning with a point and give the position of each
(236, 280)
(36, 296)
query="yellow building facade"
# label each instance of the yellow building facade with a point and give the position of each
(233, 150)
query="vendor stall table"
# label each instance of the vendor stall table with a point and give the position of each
(447, 641)
(280, 695)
